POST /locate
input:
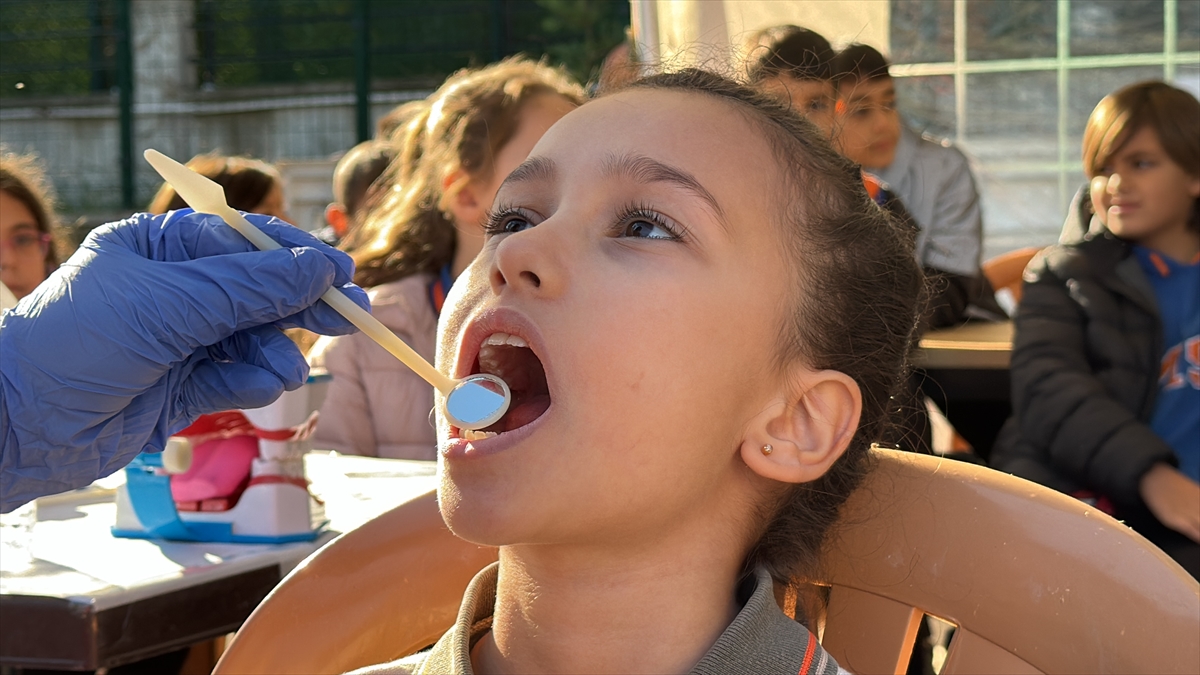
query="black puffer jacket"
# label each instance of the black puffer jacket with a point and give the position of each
(1085, 375)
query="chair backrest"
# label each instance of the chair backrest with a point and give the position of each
(1004, 271)
(1035, 581)
(379, 592)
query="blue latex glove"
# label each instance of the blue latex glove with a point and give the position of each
(153, 322)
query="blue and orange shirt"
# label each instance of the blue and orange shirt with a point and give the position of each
(439, 288)
(1177, 409)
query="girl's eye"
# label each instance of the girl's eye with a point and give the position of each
(643, 223)
(817, 105)
(647, 230)
(507, 221)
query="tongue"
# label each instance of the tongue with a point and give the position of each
(522, 413)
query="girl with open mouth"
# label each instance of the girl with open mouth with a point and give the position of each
(702, 317)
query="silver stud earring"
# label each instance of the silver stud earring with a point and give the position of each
(767, 449)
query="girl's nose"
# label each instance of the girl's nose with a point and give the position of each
(531, 261)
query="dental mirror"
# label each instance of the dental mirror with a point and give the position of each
(473, 403)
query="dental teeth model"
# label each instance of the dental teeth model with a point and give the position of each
(474, 402)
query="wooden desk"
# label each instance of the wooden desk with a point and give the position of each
(971, 346)
(91, 600)
(966, 373)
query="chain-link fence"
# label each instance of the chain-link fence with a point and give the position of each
(89, 84)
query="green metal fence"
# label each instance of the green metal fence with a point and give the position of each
(142, 71)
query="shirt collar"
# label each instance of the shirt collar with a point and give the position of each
(761, 636)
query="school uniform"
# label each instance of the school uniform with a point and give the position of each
(934, 181)
(761, 640)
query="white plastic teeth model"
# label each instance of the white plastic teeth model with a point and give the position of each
(500, 339)
(472, 435)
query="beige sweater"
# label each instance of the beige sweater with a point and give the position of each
(761, 640)
(376, 406)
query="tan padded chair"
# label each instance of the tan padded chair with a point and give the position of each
(1004, 271)
(384, 590)
(1035, 580)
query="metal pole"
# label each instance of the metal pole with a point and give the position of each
(499, 41)
(362, 69)
(124, 35)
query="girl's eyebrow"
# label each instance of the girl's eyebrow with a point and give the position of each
(533, 169)
(643, 169)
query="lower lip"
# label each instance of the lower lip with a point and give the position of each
(1123, 210)
(460, 448)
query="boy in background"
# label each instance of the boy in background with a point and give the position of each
(932, 178)
(353, 177)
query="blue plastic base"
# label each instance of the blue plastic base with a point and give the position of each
(149, 490)
(212, 532)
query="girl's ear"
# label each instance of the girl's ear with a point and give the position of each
(800, 434)
(460, 198)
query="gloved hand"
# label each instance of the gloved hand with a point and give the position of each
(153, 322)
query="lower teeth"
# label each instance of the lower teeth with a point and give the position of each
(472, 435)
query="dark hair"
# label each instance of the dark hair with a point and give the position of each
(796, 52)
(407, 228)
(859, 63)
(247, 182)
(1172, 113)
(22, 178)
(855, 295)
(357, 170)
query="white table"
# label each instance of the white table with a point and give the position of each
(91, 600)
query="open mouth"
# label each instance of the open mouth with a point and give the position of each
(510, 358)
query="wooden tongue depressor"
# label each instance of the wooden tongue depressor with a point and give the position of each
(474, 402)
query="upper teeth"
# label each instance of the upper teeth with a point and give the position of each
(505, 339)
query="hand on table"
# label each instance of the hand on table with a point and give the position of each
(1173, 498)
(153, 322)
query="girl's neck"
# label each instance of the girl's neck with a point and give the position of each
(469, 243)
(657, 610)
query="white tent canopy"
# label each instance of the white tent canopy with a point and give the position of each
(711, 32)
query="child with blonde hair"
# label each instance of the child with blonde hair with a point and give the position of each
(418, 235)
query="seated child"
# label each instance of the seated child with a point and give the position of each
(703, 317)
(251, 185)
(416, 238)
(1106, 358)
(795, 65)
(356, 173)
(27, 228)
(933, 179)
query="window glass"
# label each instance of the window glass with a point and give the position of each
(922, 31)
(1013, 105)
(1088, 86)
(1188, 77)
(1018, 29)
(1020, 209)
(1187, 14)
(1124, 27)
(927, 103)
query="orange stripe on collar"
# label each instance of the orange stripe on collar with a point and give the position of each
(1160, 264)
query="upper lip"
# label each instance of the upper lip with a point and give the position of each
(490, 322)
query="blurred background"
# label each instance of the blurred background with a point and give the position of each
(89, 84)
